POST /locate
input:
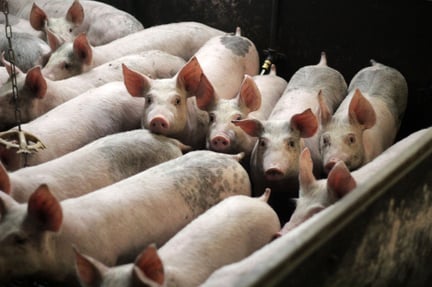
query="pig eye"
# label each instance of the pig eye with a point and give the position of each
(326, 140)
(237, 117)
(212, 117)
(351, 139)
(20, 240)
(149, 100)
(262, 142)
(70, 30)
(67, 66)
(291, 143)
(177, 101)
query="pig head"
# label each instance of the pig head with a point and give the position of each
(172, 106)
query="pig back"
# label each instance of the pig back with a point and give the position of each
(385, 83)
(320, 77)
(100, 163)
(163, 199)
(271, 88)
(225, 60)
(98, 112)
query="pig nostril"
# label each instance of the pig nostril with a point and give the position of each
(273, 174)
(220, 143)
(159, 124)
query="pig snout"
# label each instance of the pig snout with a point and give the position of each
(220, 143)
(274, 173)
(159, 125)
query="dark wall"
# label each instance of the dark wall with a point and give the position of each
(350, 32)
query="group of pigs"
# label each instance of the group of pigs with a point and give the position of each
(164, 146)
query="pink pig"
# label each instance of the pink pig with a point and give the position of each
(99, 112)
(225, 59)
(170, 106)
(181, 39)
(97, 164)
(315, 195)
(38, 94)
(256, 99)
(114, 223)
(90, 17)
(294, 119)
(367, 121)
(189, 257)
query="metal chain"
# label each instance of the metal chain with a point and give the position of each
(11, 58)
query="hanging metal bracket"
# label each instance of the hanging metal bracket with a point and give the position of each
(22, 141)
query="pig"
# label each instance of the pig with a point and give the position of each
(90, 17)
(171, 108)
(39, 95)
(180, 261)
(181, 39)
(113, 224)
(274, 158)
(29, 50)
(99, 112)
(225, 59)
(172, 105)
(315, 195)
(256, 99)
(367, 121)
(97, 164)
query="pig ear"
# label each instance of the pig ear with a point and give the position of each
(305, 122)
(193, 80)
(82, 49)
(75, 13)
(37, 18)
(340, 180)
(252, 127)
(306, 176)
(8, 65)
(45, 209)
(36, 82)
(249, 96)
(5, 185)
(148, 265)
(90, 271)
(361, 111)
(53, 41)
(324, 112)
(136, 83)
